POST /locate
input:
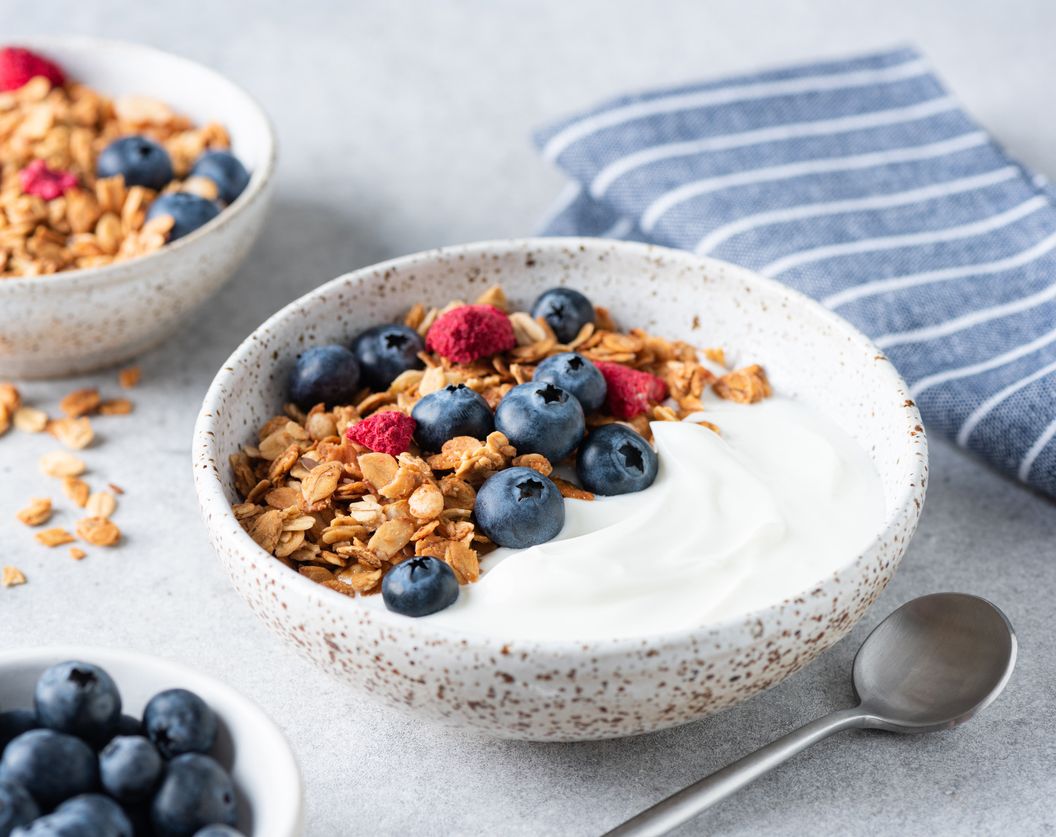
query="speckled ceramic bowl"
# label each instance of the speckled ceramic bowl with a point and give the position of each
(572, 690)
(249, 744)
(82, 320)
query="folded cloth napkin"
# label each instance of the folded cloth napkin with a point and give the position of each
(863, 184)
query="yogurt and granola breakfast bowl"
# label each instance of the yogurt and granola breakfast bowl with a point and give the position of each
(559, 489)
(134, 183)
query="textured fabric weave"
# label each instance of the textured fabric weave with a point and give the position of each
(863, 184)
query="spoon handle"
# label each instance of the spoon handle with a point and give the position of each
(690, 801)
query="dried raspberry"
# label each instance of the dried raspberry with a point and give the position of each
(630, 391)
(37, 179)
(18, 66)
(387, 432)
(470, 331)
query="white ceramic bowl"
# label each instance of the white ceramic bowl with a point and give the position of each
(82, 320)
(249, 744)
(572, 690)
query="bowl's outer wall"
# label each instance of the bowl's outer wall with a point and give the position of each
(249, 745)
(569, 691)
(84, 320)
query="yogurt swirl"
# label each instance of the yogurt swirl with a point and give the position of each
(734, 522)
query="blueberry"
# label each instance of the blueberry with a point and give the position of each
(79, 699)
(577, 375)
(57, 825)
(615, 459)
(178, 722)
(130, 768)
(328, 374)
(385, 351)
(13, 723)
(519, 507)
(566, 310)
(188, 212)
(195, 792)
(218, 831)
(538, 417)
(141, 161)
(127, 725)
(51, 765)
(225, 170)
(455, 410)
(16, 807)
(419, 586)
(102, 814)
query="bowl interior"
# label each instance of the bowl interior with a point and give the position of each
(809, 353)
(117, 69)
(249, 745)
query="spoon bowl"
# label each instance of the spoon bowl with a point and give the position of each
(934, 663)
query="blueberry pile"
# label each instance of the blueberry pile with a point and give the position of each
(143, 162)
(516, 507)
(75, 766)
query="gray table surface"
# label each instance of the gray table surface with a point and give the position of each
(404, 126)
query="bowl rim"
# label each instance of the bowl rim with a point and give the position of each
(903, 512)
(259, 180)
(284, 771)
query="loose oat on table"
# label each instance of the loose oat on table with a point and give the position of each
(77, 490)
(59, 463)
(76, 553)
(54, 537)
(12, 576)
(343, 515)
(98, 531)
(30, 420)
(130, 377)
(37, 513)
(101, 504)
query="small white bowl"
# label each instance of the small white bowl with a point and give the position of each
(80, 320)
(249, 744)
(569, 690)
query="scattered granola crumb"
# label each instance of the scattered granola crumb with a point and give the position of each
(54, 537)
(30, 420)
(117, 489)
(77, 490)
(130, 377)
(37, 512)
(77, 554)
(59, 463)
(115, 407)
(12, 576)
(80, 402)
(75, 433)
(101, 504)
(98, 531)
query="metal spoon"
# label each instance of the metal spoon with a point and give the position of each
(932, 664)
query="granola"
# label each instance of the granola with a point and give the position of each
(345, 515)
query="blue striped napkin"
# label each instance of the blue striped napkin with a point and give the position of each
(863, 184)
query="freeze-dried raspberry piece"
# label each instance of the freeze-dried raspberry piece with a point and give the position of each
(388, 432)
(470, 331)
(630, 391)
(18, 66)
(37, 179)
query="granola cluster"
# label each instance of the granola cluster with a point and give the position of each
(53, 131)
(344, 515)
(75, 432)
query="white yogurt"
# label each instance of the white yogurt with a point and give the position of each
(734, 522)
